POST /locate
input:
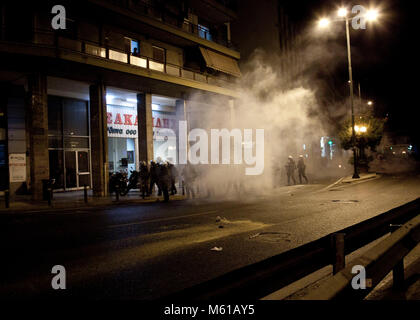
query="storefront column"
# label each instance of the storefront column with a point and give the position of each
(4, 159)
(145, 126)
(232, 113)
(181, 115)
(99, 139)
(38, 133)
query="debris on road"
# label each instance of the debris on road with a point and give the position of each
(254, 235)
(222, 219)
(216, 249)
(272, 236)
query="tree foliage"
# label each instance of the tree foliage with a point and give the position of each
(369, 139)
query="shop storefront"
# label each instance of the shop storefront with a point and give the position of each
(69, 143)
(123, 137)
(122, 124)
(164, 136)
(122, 121)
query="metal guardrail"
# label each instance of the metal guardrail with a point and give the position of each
(378, 262)
(265, 277)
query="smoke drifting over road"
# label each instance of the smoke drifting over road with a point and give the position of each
(268, 99)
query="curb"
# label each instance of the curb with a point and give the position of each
(333, 184)
(370, 177)
(349, 182)
(84, 206)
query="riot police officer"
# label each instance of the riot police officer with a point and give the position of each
(154, 177)
(144, 179)
(301, 169)
(290, 170)
(164, 180)
(173, 174)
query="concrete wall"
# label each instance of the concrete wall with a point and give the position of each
(38, 133)
(16, 132)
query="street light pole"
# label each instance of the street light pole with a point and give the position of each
(353, 137)
(371, 15)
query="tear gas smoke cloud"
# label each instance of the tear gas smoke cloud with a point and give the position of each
(276, 96)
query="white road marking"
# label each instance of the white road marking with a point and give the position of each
(162, 219)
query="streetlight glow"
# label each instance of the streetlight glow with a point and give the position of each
(362, 129)
(324, 22)
(372, 15)
(342, 12)
(370, 103)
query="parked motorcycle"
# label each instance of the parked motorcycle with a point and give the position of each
(118, 183)
(133, 182)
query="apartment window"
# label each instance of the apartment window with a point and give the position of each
(159, 54)
(204, 32)
(135, 48)
(71, 29)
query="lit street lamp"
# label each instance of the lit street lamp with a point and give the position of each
(371, 15)
(324, 22)
(362, 129)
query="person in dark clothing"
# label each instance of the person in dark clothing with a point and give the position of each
(173, 174)
(189, 177)
(164, 180)
(154, 177)
(290, 170)
(301, 169)
(144, 179)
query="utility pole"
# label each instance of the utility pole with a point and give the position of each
(355, 174)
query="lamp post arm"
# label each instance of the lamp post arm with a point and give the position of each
(355, 174)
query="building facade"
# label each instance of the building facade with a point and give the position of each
(108, 90)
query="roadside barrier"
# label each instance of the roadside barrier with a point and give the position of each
(388, 255)
(265, 277)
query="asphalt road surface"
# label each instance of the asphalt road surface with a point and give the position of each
(151, 250)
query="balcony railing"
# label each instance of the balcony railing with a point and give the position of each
(151, 64)
(136, 61)
(146, 8)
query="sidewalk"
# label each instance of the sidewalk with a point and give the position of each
(383, 291)
(411, 291)
(75, 199)
(349, 180)
(363, 177)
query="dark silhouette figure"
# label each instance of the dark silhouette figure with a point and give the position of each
(173, 174)
(301, 169)
(154, 177)
(290, 170)
(144, 179)
(164, 180)
(189, 175)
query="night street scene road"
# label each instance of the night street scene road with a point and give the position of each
(213, 158)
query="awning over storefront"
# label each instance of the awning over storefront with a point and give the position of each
(220, 62)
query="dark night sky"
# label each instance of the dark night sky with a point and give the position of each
(383, 58)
